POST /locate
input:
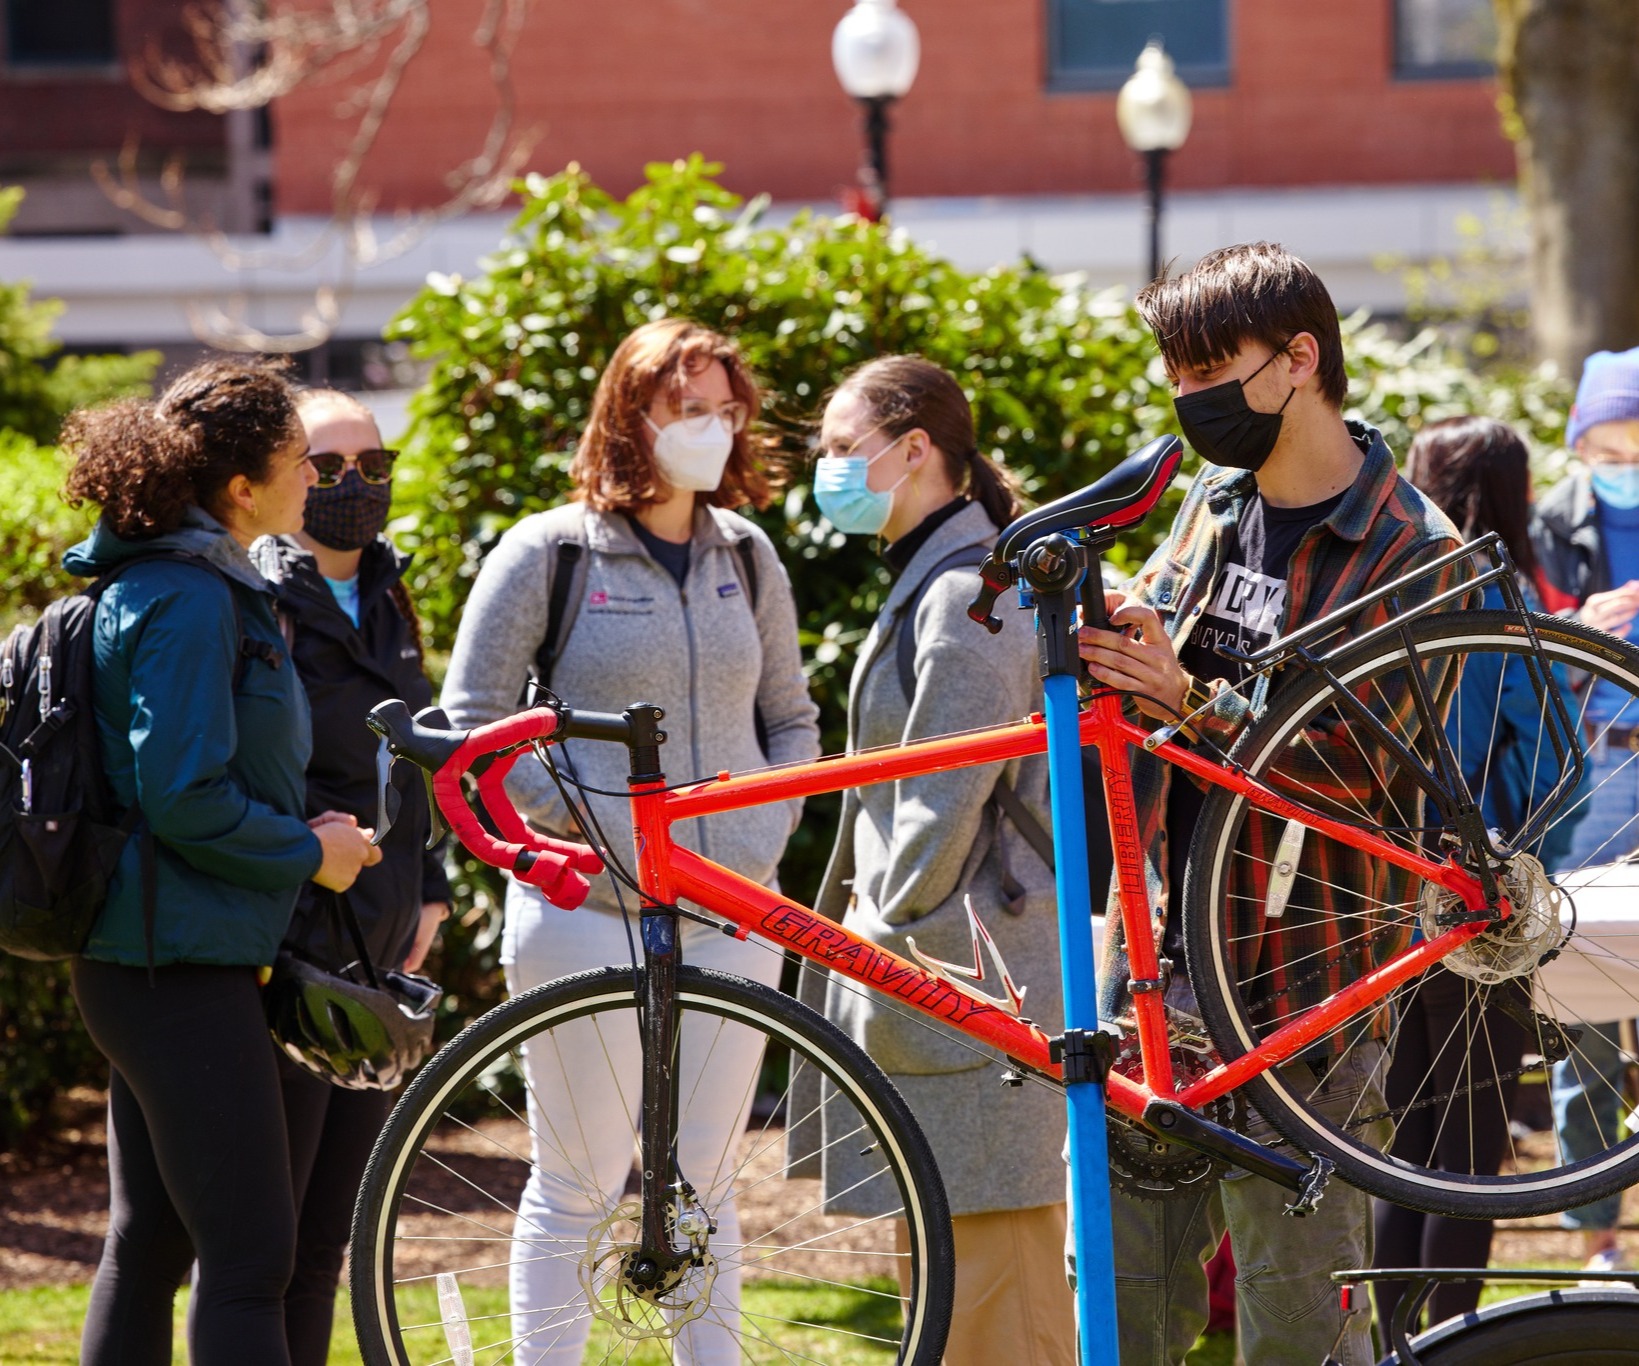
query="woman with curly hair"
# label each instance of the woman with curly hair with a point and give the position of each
(644, 588)
(204, 730)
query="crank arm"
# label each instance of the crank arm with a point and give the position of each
(1177, 1124)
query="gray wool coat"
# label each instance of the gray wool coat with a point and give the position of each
(907, 854)
(699, 651)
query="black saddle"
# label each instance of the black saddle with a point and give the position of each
(1122, 498)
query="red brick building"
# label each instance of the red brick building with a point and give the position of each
(1288, 93)
(1351, 129)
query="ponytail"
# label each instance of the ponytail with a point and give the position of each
(993, 487)
(400, 594)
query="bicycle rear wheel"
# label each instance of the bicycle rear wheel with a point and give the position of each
(1257, 963)
(436, 1232)
(1571, 1327)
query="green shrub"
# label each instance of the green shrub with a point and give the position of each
(38, 528)
(45, 1048)
(39, 385)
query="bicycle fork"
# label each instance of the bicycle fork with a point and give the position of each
(666, 1199)
(668, 1208)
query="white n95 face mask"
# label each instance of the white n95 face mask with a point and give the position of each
(692, 451)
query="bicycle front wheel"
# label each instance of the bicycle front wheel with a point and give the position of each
(488, 1216)
(1279, 916)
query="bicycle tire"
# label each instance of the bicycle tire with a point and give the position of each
(1236, 938)
(452, 1129)
(1572, 1327)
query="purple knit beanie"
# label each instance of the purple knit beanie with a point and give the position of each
(1609, 392)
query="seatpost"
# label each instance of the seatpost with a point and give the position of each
(1052, 572)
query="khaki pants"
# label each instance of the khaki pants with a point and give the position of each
(1012, 1302)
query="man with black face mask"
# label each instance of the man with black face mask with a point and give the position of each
(1296, 513)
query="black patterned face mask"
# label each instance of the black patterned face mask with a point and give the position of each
(350, 515)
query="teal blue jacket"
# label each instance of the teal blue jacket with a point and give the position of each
(218, 769)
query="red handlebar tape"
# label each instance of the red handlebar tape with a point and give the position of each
(556, 867)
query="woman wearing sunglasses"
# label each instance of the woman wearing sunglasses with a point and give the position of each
(667, 597)
(356, 641)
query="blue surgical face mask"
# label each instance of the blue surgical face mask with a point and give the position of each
(843, 496)
(1617, 485)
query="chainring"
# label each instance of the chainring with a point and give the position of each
(1142, 1163)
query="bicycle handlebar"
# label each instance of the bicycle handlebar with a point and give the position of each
(558, 868)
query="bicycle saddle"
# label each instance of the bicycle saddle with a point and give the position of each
(1122, 498)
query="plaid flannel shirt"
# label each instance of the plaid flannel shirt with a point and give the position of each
(1381, 530)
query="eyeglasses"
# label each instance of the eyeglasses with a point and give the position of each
(736, 415)
(374, 467)
(1605, 455)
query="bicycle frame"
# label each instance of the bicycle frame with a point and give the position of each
(668, 872)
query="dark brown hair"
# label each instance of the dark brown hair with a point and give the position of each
(904, 393)
(1255, 292)
(614, 467)
(1477, 471)
(144, 464)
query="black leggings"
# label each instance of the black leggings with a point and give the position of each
(198, 1166)
(331, 1132)
(1467, 1134)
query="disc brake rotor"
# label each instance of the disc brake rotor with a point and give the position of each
(616, 1296)
(1510, 948)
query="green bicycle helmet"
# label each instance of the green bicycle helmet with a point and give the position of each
(361, 1037)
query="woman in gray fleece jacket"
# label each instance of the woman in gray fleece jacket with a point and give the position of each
(901, 461)
(664, 611)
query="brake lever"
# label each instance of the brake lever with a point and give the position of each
(437, 826)
(384, 783)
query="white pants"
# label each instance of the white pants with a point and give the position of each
(584, 1089)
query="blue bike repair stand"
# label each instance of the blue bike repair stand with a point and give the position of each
(1051, 575)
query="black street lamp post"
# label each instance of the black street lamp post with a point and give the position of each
(1153, 111)
(875, 50)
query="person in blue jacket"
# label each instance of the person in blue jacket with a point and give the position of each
(204, 727)
(1477, 471)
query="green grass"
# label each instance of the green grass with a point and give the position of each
(41, 1327)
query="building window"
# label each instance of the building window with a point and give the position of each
(1092, 44)
(1445, 37)
(47, 33)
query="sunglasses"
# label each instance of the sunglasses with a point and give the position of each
(375, 467)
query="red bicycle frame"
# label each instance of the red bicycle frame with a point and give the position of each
(667, 872)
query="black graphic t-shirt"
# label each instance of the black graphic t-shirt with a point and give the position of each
(1244, 613)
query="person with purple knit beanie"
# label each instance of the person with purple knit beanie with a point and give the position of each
(1586, 535)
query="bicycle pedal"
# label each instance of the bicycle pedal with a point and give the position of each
(1311, 1188)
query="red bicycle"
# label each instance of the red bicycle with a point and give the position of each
(1348, 848)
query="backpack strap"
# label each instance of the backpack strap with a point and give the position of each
(1007, 802)
(905, 643)
(747, 552)
(561, 609)
(748, 569)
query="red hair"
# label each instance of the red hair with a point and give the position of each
(614, 467)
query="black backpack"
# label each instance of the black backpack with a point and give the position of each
(61, 831)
